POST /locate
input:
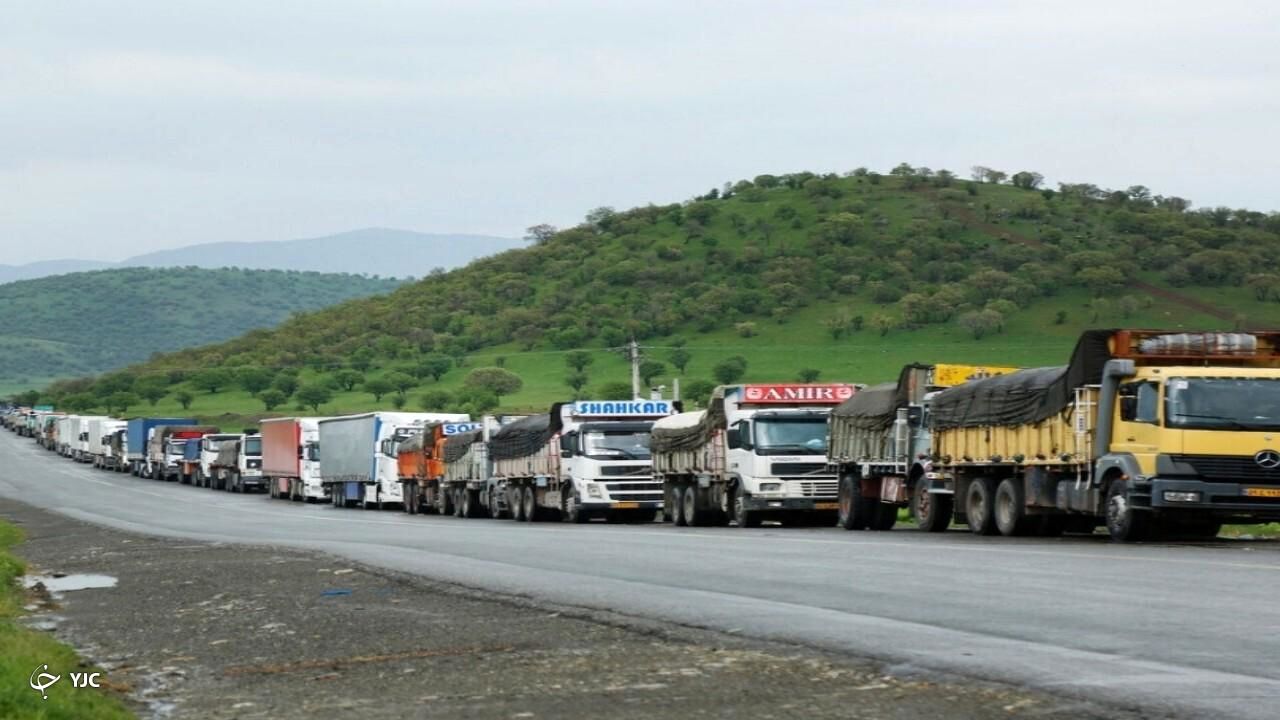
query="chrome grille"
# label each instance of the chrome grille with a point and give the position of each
(1230, 468)
(797, 468)
(818, 488)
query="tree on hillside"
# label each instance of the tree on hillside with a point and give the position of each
(434, 365)
(211, 380)
(981, 322)
(79, 402)
(313, 396)
(540, 234)
(434, 400)
(883, 323)
(1101, 280)
(576, 380)
(698, 391)
(680, 359)
(1026, 180)
(650, 369)
(578, 360)
(808, 375)
(286, 383)
(362, 359)
(494, 379)
(348, 379)
(152, 390)
(614, 391)
(254, 379)
(730, 371)
(120, 402)
(272, 399)
(402, 382)
(184, 399)
(377, 387)
(398, 401)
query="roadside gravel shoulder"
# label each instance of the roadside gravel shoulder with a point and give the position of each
(207, 630)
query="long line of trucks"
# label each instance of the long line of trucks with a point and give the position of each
(1145, 433)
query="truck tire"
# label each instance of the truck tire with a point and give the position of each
(694, 516)
(1124, 523)
(529, 504)
(979, 506)
(932, 511)
(741, 515)
(495, 510)
(677, 506)
(410, 492)
(515, 501)
(457, 501)
(1011, 509)
(884, 516)
(572, 511)
(854, 511)
(470, 503)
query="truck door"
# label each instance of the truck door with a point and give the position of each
(1137, 428)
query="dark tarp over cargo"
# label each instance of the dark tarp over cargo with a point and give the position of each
(683, 439)
(455, 446)
(228, 454)
(1026, 396)
(526, 436)
(415, 442)
(876, 407)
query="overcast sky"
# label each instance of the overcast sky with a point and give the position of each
(127, 127)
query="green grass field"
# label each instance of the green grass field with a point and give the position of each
(23, 650)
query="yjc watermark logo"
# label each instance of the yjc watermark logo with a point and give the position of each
(42, 680)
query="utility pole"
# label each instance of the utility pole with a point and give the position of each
(633, 352)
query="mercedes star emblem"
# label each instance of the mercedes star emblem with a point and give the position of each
(1267, 459)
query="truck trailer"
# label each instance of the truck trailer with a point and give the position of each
(360, 465)
(581, 460)
(880, 447)
(420, 465)
(137, 435)
(757, 452)
(1145, 431)
(100, 432)
(291, 458)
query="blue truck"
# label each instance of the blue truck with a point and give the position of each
(139, 433)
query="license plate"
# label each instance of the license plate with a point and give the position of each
(826, 506)
(1262, 492)
(626, 506)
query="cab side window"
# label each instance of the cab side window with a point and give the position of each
(1140, 402)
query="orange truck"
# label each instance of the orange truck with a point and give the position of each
(420, 460)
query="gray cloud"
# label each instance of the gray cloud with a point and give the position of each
(128, 127)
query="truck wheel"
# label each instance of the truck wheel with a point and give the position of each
(932, 511)
(979, 506)
(693, 515)
(1011, 509)
(573, 511)
(410, 492)
(445, 506)
(457, 502)
(884, 516)
(529, 501)
(854, 513)
(677, 506)
(495, 510)
(1124, 523)
(515, 502)
(741, 515)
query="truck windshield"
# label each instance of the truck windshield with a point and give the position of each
(253, 446)
(176, 447)
(604, 445)
(313, 451)
(791, 436)
(1223, 403)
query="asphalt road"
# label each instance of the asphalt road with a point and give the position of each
(1186, 630)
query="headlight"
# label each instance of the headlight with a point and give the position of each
(593, 490)
(770, 487)
(1172, 496)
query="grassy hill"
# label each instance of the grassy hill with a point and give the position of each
(846, 276)
(82, 323)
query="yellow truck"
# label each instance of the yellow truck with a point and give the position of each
(880, 446)
(1146, 431)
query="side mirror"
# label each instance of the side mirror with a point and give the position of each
(567, 445)
(915, 414)
(733, 438)
(1128, 408)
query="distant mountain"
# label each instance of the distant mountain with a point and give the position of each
(12, 273)
(372, 251)
(83, 323)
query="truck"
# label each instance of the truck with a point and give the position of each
(81, 443)
(360, 465)
(205, 458)
(238, 466)
(880, 447)
(756, 452)
(117, 449)
(65, 428)
(139, 432)
(420, 466)
(99, 434)
(166, 448)
(469, 483)
(291, 458)
(581, 460)
(1148, 432)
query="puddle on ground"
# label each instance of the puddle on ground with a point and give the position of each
(66, 583)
